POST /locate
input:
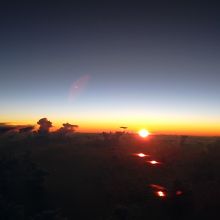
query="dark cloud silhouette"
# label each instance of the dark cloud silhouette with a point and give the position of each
(123, 128)
(5, 128)
(26, 129)
(67, 129)
(45, 126)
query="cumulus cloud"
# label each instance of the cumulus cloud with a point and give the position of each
(45, 126)
(67, 128)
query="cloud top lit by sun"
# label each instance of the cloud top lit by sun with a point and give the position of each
(143, 133)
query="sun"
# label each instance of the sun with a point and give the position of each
(143, 133)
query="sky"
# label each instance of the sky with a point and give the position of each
(107, 64)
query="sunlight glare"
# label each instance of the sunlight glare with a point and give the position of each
(143, 133)
(161, 194)
(141, 155)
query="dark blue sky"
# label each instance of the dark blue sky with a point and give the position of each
(149, 64)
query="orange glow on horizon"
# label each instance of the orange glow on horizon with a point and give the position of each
(94, 125)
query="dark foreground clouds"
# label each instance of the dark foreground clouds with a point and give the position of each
(26, 129)
(5, 128)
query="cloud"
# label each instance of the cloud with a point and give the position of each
(6, 127)
(67, 128)
(26, 129)
(45, 125)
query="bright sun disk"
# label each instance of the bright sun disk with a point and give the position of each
(143, 133)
